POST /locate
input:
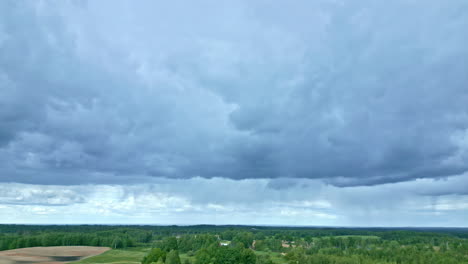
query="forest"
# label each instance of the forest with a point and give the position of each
(205, 244)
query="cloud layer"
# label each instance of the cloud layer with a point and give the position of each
(225, 201)
(351, 93)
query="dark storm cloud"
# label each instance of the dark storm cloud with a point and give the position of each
(357, 93)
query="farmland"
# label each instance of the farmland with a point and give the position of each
(57, 255)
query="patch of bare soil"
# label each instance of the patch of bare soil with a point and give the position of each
(49, 255)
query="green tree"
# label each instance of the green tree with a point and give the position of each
(173, 257)
(117, 243)
(202, 257)
(264, 259)
(169, 243)
(154, 255)
(247, 256)
(244, 238)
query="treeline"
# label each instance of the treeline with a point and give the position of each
(231, 230)
(20, 236)
(64, 239)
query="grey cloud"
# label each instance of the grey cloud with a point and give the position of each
(457, 185)
(226, 201)
(113, 92)
(281, 183)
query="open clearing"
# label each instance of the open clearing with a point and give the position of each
(49, 255)
(120, 256)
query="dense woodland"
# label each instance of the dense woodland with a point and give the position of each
(253, 244)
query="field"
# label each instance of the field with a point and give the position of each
(135, 255)
(275, 257)
(49, 255)
(122, 256)
(89, 255)
(356, 236)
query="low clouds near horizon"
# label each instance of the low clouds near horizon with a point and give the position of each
(223, 201)
(338, 95)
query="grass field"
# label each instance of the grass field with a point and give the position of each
(184, 256)
(121, 256)
(275, 257)
(135, 255)
(124, 256)
(356, 236)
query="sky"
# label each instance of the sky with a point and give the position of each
(320, 113)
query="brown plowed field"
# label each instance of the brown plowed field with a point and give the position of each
(48, 255)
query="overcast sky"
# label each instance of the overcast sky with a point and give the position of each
(327, 112)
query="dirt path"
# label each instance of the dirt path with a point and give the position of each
(49, 255)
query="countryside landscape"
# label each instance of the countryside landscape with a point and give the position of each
(233, 132)
(205, 244)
